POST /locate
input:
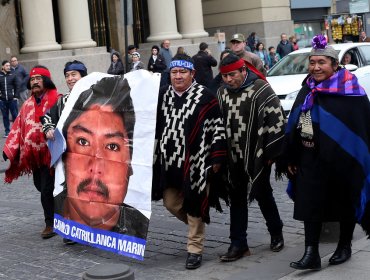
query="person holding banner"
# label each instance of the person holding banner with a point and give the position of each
(190, 144)
(99, 135)
(26, 146)
(73, 72)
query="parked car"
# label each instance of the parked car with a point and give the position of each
(287, 75)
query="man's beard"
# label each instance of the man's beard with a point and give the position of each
(102, 188)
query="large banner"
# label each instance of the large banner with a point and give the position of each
(103, 153)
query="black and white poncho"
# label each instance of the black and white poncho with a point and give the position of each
(190, 138)
(255, 124)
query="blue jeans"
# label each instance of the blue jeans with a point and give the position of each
(6, 106)
(239, 211)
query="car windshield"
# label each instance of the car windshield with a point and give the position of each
(291, 65)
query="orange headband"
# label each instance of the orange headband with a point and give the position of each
(40, 71)
(232, 67)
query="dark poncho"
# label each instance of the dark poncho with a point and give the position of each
(341, 131)
(255, 125)
(190, 138)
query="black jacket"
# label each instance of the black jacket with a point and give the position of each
(9, 86)
(158, 66)
(203, 64)
(117, 68)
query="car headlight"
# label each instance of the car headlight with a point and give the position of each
(292, 95)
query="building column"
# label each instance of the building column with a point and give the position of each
(162, 20)
(38, 25)
(75, 24)
(190, 18)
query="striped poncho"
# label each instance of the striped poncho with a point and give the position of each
(189, 140)
(255, 125)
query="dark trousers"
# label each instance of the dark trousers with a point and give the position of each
(239, 211)
(6, 107)
(44, 183)
(312, 232)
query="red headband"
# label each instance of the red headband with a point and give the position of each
(232, 67)
(40, 71)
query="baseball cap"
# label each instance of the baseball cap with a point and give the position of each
(238, 37)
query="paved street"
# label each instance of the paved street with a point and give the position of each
(24, 255)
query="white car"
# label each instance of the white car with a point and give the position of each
(287, 75)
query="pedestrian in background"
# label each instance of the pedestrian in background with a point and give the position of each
(116, 67)
(23, 77)
(293, 41)
(284, 47)
(254, 123)
(262, 53)
(26, 146)
(363, 37)
(166, 53)
(156, 63)
(238, 47)
(9, 95)
(272, 57)
(180, 50)
(136, 63)
(252, 41)
(190, 145)
(203, 63)
(328, 143)
(217, 81)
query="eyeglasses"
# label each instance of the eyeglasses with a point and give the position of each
(13, 60)
(36, 78)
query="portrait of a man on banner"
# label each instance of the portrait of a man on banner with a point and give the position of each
(99, 166)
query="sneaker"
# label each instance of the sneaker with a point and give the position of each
(6, 135)
(48, 232)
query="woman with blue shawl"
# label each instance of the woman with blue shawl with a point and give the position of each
(328, 144)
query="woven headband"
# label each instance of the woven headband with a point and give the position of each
(40, 71)
(182, 63)
(232, 67)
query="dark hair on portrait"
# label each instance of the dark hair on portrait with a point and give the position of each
(110, 91)
(229, 59)
(48, 83)
(4, 62)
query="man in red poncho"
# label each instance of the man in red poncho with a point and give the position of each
(26, 146)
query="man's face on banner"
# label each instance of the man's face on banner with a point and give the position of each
(97, 167)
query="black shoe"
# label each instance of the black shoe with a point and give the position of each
(277, 243)
(342, 253)
(193, 261)
(68, 241)
(310, 260)
(234, 253)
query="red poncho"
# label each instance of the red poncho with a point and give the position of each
(26, 146)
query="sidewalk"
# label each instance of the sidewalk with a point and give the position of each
(24, 255)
